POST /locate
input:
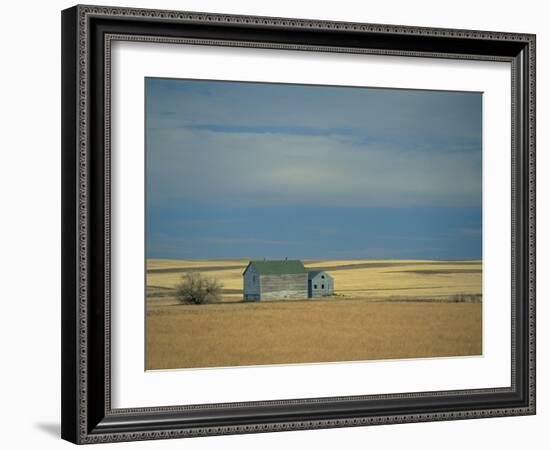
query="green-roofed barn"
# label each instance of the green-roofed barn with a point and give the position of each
(274, 280)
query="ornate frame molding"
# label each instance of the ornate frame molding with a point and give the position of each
(84, 421)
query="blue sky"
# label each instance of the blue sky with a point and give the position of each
(257, 170)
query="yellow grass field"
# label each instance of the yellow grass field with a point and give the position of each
(381, 309)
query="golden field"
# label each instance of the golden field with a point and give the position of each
(381, 309)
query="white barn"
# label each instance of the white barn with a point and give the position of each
(274, 280)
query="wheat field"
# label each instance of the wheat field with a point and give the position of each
(381, 309)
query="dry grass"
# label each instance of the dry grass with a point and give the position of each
(301, 332)
(370, 280)
(381, 310)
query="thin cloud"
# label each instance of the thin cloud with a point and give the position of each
(223, 157)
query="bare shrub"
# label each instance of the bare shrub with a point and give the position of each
(197, 289)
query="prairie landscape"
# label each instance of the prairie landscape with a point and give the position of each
(381, 309)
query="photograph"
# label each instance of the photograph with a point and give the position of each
(299, 224)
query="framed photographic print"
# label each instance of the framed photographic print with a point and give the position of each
(276, 224)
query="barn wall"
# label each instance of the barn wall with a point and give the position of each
(328, 282)
(279, 287)
(251, 284)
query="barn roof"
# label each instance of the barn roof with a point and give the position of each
(278, 267)
(313, 273)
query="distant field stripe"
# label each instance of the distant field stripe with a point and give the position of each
(232, 291)
(363, 265)
(169, 292)
(193, 269)
(395, 289)
(437, 271)
(387, 265)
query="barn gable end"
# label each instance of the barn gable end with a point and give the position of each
(320, 284)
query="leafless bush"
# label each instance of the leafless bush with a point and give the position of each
(197, 289)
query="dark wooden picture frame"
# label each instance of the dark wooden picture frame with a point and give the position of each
(87, 34)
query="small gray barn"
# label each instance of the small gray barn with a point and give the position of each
(319, 284)
(274, 280)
